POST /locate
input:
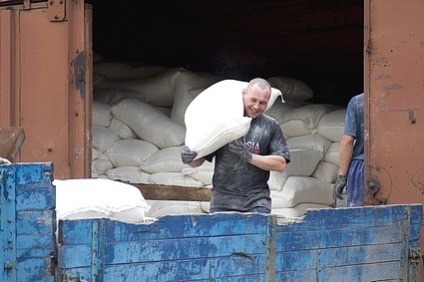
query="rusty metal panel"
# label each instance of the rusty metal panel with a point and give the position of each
(7, 103)
(395, 63)
(51, 105)
(394, 113)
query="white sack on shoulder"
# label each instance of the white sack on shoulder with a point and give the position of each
(215, 117)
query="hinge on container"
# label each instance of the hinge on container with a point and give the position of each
(56, 11)
(369, 46)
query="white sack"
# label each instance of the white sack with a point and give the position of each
(149, 123)
(292, 89)
(305, 154)
(161, 208)
(103, 138)
(301, 189)
(101, 114)
(164, 160)
(331, 125)
(203, 173)
(215, 117)
(130, 174)
(101, 164)
(332, 154)
(99, 198)
(299, 210)
(157, 90)
(123, 130)
(276, 180)
(130, 152)
(304, 120)
(326, 171)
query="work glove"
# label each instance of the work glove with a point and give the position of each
(237, 147)
(339, 186)
(187, 155)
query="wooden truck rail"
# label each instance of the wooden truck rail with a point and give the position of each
(345, 244)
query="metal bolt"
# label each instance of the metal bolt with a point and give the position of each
(9, 241)
(8, 265)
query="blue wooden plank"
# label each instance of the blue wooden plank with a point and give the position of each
(158, 250)
(34, 197)
(360, 254)
(188, 270)
(307, 275)
(337, 238)
(344, 218)
(34, 173)
(8, 223)
(36, 222)
(74, 256)
(363, 272)
(35, 270)
(181, 226)
(202, 247)
(324, 258)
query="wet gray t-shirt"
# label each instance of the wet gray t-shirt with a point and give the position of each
(238, 185)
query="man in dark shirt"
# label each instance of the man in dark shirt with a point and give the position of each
(242, 167)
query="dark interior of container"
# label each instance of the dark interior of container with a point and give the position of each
(319, 42)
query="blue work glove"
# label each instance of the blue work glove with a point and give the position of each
(187, 155)
(339, 186)
(237, 147)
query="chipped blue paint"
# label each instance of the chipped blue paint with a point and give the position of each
(28, 222)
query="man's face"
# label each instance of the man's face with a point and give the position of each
(255, 101)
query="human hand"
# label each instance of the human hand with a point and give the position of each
(187, 155)
(339, 186)
(237, 147)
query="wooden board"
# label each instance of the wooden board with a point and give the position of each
(173, 192)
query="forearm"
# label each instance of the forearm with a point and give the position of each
(197, 162)
(345, 154)
(270, 162)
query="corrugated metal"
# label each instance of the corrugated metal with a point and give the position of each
(49, 93)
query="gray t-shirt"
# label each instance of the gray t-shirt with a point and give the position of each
(238, 185)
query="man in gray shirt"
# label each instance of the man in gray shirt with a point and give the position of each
(242, 167)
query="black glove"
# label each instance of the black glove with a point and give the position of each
(237, 147)
(187, 155)
(339, 186)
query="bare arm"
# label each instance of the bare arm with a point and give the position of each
(197, 162)
(270, 162)
(345, 153)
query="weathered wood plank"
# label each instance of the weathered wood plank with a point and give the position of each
(173, 192)
(167, 227)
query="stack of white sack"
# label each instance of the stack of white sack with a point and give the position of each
(139, 129)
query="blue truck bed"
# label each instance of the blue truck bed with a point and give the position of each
(346, 244)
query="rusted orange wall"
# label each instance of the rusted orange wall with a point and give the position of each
(46, 84)
(394, 114)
